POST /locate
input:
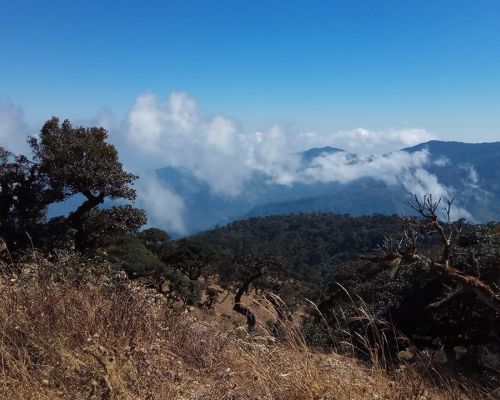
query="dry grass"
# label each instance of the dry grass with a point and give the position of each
(71, 330)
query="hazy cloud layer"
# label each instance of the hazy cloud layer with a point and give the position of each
(174, 132)
(13, 131)
(400, 167)
(344, 167)
(164, 208)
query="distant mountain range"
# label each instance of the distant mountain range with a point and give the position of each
(471, 172)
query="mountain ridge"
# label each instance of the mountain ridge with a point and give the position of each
(468, 170)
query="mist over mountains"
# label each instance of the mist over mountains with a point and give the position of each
(329, 179)
(198, 170)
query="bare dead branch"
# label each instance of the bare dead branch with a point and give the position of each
(452, 293)
(427, 208)
(393, 253)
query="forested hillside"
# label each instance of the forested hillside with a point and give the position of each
(346, 263)
(314, 244)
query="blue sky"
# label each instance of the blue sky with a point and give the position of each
(313, 65)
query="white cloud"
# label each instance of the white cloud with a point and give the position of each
(472, 176)
(344, 167)
(364, 141)
(442, 162)
(164, 208)
(216, 150)
(221, 133)
(400, 167)
(213, 148)
(174, 132)
(13, 130)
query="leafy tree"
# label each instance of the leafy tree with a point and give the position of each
(101, 225)
(22, 199)
(67, 161)
(182, 288)
(157, 241)
(190, 258)
(80, 161)
(248, 269)
(129, 253)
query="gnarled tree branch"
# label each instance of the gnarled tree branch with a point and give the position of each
(406, 251)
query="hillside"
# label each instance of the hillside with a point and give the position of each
(466, 168)
(88, 336)
(315, 244)
(320, 306)
(250, 200)
(325, 255)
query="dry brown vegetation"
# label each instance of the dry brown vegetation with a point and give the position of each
(74, 330)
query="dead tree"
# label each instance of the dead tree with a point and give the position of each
(447, 232)
(393, 252)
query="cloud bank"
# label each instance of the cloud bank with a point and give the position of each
(174, 132)
(216, 150)
(400, 167)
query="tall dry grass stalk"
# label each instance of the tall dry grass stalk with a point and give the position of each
(72, 329)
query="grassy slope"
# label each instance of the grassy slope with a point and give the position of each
(68, 332)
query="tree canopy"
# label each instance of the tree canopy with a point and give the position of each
(66, 161)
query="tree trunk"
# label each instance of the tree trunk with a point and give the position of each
(75, 219)
(239, 308)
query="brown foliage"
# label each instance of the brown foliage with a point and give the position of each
(73, 329)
